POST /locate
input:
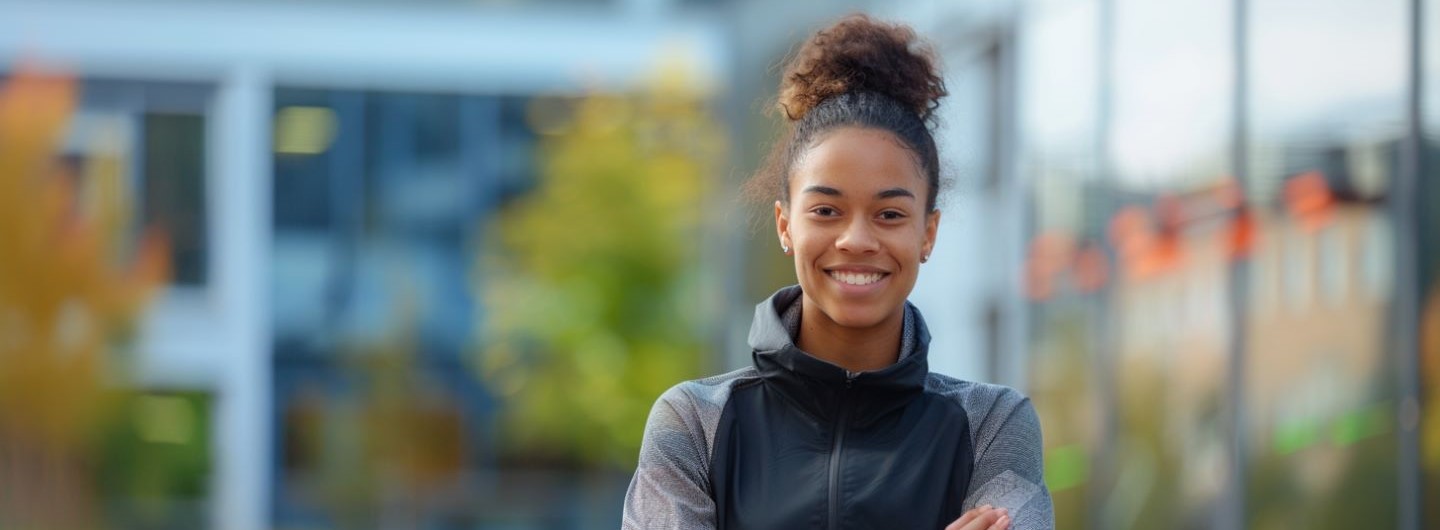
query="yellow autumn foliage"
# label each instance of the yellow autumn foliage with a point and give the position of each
(66, 294)
(592, 287)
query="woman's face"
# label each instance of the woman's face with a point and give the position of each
(857, 225)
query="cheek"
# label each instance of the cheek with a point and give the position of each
(810, 250)
(907, 241)
(809, 238)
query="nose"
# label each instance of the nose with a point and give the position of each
(858, 237)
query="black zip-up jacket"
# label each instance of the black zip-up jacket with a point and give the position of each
(797, 442)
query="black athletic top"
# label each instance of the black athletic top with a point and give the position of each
(797, 442)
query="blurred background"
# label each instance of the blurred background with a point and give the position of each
(325, 264)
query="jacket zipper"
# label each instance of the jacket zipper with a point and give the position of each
(836, 446)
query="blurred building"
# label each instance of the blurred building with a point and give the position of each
(1208, 230)
(325, 171)
(1197, 234)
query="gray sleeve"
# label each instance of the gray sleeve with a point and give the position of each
(671, 487)
(1009, 463)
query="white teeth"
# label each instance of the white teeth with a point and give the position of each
(857, 278)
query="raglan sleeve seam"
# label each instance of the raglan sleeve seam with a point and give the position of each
(1009, 466)
(670, 488)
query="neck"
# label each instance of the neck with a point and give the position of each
(854, 349)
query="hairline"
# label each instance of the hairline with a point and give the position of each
(803, 151)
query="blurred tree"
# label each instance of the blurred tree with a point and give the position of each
(406, 435)
(592, 281)
(68, 291)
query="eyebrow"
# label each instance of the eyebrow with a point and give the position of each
(894, 192)
(823, 190)
(883, 194)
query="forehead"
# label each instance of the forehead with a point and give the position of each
(852, 158)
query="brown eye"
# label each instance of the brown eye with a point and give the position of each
(825, 211)
(891, 215)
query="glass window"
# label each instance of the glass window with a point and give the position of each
(1169, 153)
(1172, 94)
(1059, 87)
(1327, 85)
(154, 469)
(152, 138)
(378, 199)
(174, 189)
(305, 131)
(1060, 82)
(968, 141)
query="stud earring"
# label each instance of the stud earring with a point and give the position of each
(784, 248)
(924, 258)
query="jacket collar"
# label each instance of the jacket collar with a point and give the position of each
(820, 387)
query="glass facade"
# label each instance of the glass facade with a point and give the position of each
(1168, 149)
(1060, 47)
(1323, 148)
(379, 202)
(135, 158)
(1213, 276)
(1223, 239)
(152, 136)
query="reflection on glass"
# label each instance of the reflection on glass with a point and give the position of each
(1327, 84)
(1172, 91)
(174, 172)
(377, 201)
(154, 136)
(1169, 142)
(1059, 87)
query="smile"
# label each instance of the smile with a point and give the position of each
(857, 278)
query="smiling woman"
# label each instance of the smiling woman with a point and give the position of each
(840, 422)
(858, 233)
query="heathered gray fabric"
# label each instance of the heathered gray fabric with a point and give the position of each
(671, 487)
(1009, 471)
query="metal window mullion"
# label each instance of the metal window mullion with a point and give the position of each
(1108, 329)
(1406, 304)
(1238, 281)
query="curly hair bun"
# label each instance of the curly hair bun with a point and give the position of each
(860, 54)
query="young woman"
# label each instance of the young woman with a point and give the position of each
(839, 423)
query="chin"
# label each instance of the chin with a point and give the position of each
(858, 316)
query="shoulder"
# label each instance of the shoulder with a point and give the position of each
(1009, 457)
(694, 406)
(989, 407)
(710, 391)
(671, 486)
(976, 397)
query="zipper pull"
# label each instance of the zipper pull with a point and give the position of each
(850, 378)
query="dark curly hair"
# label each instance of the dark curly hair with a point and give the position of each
(858, 72)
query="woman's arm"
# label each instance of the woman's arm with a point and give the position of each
(1009, 465)
(671, 488)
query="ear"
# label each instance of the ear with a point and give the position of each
(782, 225)
(932, 226)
